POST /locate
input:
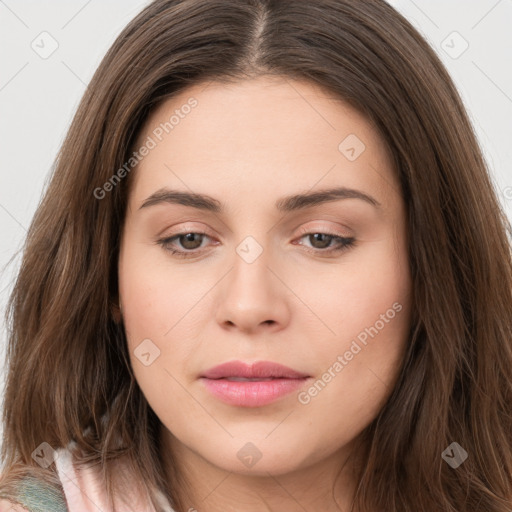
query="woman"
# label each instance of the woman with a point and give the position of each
(339, 337)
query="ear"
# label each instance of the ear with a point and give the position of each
(115, 310)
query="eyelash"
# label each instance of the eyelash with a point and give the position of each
(345, 243)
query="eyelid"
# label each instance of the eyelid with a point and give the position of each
(188, 229)
(306, 230)
(302, 231)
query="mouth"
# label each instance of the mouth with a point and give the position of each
(252, 385)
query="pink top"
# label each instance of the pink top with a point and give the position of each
(84, 490)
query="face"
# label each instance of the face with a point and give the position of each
(269, 266)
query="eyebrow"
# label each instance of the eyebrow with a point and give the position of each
(285, 204)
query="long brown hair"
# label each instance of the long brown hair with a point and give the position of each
(69, 376)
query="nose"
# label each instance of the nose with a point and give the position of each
(252, 297)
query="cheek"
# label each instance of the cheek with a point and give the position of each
(356, 377)
(159, 306)
(361, 291)
(152, 309)
(154, 296)
(368, 308)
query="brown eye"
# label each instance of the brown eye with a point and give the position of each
(190, 240)
(321, 243)
(323, 240)
(183, 244)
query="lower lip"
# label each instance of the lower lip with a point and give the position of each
(251, 393)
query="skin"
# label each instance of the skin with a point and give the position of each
(247, 145)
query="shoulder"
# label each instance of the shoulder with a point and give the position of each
(34, 495)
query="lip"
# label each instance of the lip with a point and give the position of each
(262, 369)
(281, 380)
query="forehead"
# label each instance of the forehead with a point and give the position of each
(257, 137)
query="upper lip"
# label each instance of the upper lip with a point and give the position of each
(262, 369)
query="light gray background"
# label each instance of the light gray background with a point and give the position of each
(38, 96)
